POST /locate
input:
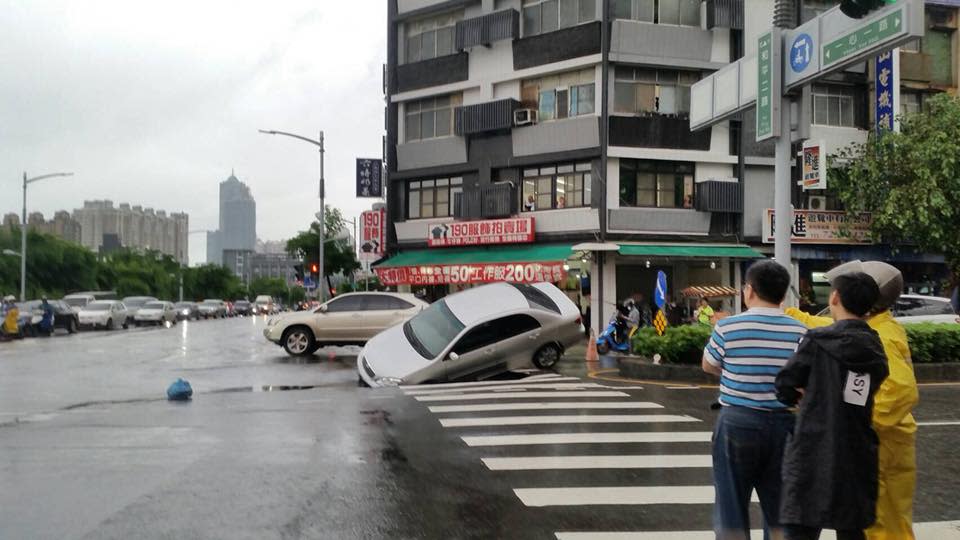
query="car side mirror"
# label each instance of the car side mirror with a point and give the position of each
(453, 356)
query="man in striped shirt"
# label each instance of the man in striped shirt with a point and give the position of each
(747, 351)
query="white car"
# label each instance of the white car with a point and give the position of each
(348, 319)
(917, 308)
(106, 314)
(78, 301)
(475, 334)
(156, 313)
(263, 305)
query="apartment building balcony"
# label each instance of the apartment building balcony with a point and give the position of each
(719, 196)
(635, 42)
(431, 153)
(438, 71)
(564, 44)
(485, 117)
(657, 131)
(557, 136)
(497, 200)
(486, 29)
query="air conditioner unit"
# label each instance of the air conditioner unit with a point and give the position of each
(817, 202)
(524, 117)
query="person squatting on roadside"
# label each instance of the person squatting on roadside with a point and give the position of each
(830, 463)
(747, 351)
(892, 406)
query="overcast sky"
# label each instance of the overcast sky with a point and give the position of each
(153, 103)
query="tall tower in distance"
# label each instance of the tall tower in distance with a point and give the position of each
(233, 244)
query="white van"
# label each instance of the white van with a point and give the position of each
(78, 301)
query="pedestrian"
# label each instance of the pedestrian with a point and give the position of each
(704, 312)
(633, 318)
(892, 417)
(747, 351)
(830, 463)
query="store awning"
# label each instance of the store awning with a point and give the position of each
(682, 251)
(708, 291)
(524, 264)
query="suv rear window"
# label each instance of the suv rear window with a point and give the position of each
(537, 298)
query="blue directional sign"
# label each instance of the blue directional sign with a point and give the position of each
(308, 283)
(801, 52)
(660, 293)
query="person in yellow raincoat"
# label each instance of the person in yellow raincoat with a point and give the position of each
(10, 317)
(892, 417)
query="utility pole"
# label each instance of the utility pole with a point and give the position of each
(784, 15)
(322, 285)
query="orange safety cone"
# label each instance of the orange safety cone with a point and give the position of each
(592, 355)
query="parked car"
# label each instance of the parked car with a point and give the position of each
(159, 313)
(106, 314)
(242, 308)
(212, 309)
(351, 318)
(32, 312)
(916, 308)
(475, 334)
(187, 311)
(76, 301)
(134, 303)
(265, 305)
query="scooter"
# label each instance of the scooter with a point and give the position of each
(607, 341)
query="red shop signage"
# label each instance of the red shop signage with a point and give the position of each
(475, 233)
(472, 273)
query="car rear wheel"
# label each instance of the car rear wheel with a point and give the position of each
(298, 341)
(547, 356)
(109, 325)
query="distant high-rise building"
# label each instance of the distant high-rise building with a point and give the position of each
(134, 227)
(62, 225)
(237, 234)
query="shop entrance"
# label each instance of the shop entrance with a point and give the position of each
(634, 280)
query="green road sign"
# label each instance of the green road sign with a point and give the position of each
(863, 37)
(768, 84)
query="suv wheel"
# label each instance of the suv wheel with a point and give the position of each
(298, 341)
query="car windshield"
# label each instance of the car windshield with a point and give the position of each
(432, 329)
(98, 306)
(153, 305)
(75, 302)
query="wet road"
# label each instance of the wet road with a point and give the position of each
(89, 448)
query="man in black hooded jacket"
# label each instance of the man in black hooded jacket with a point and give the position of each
(830, 463)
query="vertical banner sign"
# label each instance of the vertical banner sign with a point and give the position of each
(885, 84)
(372, 234)
(768, 84)
(660, 297)
(369, 180)
(814, 168)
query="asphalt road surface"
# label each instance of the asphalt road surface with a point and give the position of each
(274, 449)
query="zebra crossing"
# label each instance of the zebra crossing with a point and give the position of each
(571, 447)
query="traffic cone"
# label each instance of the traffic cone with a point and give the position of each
(592, 355)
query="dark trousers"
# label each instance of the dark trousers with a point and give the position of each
(747, 451)
(800, 532)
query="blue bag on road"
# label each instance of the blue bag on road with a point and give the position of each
(179, 390)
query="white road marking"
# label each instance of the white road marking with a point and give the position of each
(598, 462)
(940, 423)
(522, 395)
(934, 530)
(566, 419)
(586, 496)
(589, 438)
(544, 405)
(551, 377)
(522, 386)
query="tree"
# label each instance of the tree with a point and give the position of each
(338, 255)
(212, 281)
(275, 287)
(909, 181)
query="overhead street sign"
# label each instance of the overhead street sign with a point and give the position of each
(801, 51)
(863, 37)
(845, 41)
(768, 85)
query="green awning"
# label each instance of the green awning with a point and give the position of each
(685, 251)
(480, 255)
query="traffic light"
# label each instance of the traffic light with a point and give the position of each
(314, 268)
(856, 9)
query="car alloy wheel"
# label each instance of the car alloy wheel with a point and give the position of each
(546, 357)
(298, 341)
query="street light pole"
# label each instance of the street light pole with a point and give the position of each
(322, 290)
(23, 230)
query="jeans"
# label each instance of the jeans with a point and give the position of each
(800, 532)
(748, 448)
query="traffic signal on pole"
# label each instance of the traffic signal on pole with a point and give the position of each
(314, 268)
(857, 9)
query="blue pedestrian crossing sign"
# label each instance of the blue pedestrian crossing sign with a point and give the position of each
(801, 52)
(660, 293)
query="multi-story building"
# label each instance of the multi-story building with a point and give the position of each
(133, 227)
(274, 265)
(62, 225)
(562, 129)
(236, 238)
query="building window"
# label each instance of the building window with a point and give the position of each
(542, 16)
(556, 186)
(662, 91)
(430, 38)
(432, 198)
(939, 45)
(834, 106)
(912, 46)
(430, 118)
(910, 102)
(658, 184)
(560, 96)
(678, 12)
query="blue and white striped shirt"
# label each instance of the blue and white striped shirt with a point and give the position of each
(751, 348)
